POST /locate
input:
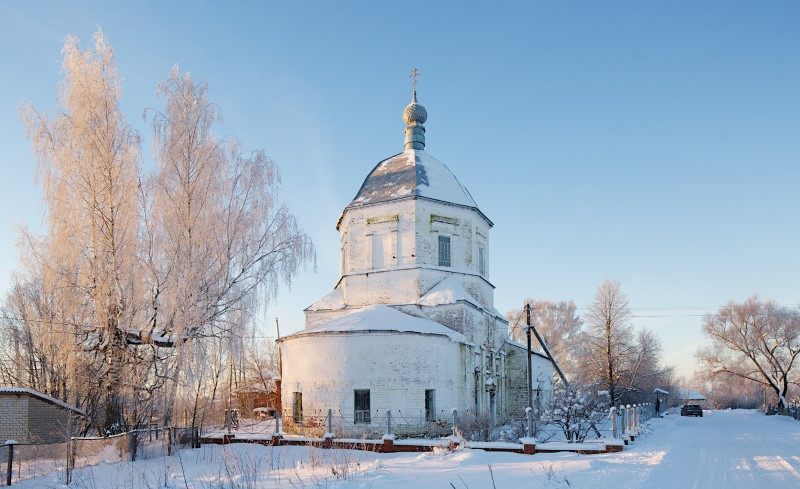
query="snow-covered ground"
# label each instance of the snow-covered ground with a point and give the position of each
(725, 449)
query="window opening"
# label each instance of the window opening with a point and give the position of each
(362, 411)
(430, 404)
(297, 408)
(444, 251)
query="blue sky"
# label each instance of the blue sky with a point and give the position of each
(657, 143)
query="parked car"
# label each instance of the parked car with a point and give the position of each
(692, 410)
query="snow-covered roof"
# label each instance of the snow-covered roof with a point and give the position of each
(412, 173)
(381, 318)
(334, 300)
(44, 397)
(659, 390)
(689, 394)
(448, 291)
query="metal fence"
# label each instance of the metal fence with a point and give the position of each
(792, 411)
(28, 460)
(615, 423)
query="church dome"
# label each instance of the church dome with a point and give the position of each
(412, 173)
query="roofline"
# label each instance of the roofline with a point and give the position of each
(411, 197)
(303, 333)
(423, 266)
(44, 397)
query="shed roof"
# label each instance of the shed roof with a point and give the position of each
(689, 394)
(43, 397)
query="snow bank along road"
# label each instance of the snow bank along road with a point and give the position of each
(724, 449)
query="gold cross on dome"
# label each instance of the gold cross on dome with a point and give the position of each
(414, 75)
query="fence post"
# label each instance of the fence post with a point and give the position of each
(228, 416)
(529, 415)
(455, 421)
(612, 413)
(10, 445)
(133, 442)
(169, 441)
(69, 455)
(277, 422)
(330, 421)
(388, 421)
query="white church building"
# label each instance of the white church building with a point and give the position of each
(411, 325)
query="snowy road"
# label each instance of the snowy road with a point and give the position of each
(724, 449)
(735, 449)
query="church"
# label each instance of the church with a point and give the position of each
(410, 326)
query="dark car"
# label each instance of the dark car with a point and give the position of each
(692, 410)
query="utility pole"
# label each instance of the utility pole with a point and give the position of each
(530, 368)
(280, 362)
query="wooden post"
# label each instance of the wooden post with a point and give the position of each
(530, 368)
(10, 462)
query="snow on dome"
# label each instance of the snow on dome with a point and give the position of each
(412, 173)
(448, 291)
(380, 317)
(334, 300)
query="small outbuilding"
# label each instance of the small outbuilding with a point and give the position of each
(28, 416)
(687, 395)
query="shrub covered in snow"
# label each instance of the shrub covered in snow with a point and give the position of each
(575, 411)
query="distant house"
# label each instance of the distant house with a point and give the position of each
(27, 416)
(259, 395)
(687, 395)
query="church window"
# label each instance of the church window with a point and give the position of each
(430, 404)
(297, 407)
(444, 251)
(362, 411)
(481, 260)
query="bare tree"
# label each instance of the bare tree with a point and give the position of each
(559, 325)
(608, 346)
(756, 341)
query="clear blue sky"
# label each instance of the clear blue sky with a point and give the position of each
(657, 143)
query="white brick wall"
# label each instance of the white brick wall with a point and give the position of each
(396, 367)
(14, 418)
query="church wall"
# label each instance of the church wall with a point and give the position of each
(516, 377)
(397, 368)
(315, 318)
(467, 231)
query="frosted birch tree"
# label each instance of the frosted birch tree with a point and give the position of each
(224, 241)
(87, 167)
(756, 340)
(137, 271)
(221, 240)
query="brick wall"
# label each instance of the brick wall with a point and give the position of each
(14, 417)
(47, 423)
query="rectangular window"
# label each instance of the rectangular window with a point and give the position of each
(377, 250)
(481, 261)
(362, 406)
(297, 408)
(430, 404)
(444, 251)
